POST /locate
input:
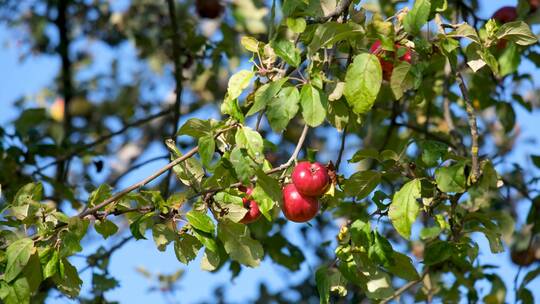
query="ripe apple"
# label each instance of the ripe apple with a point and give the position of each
(505, 14)
(296, 207)
(310, 179)
(253, 213)
(533, 5)
(210, 9)
(387, 58)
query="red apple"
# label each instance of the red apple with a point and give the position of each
(533, 5)
(387, 58)
(210, 9)
(298, 208)
(253, 213)
(310, 179)
(505, 14)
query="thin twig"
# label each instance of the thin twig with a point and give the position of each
(341, 147)
(137, 166)
(404, 288)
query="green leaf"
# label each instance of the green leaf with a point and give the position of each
(250, 140)
(238, 82)
(363, 82)
(417, 17)
(97, 196)
(103, 282)
(297, 25)
(287, 51)
(190, 171)
(518, 32)
(437, 252)
(265, 203)
(52, 265)
(196, 128)
(365, 153)
(404, 207)
(163, 235)
(207, 147)
(106, 228)
(243, 165)
(68, 281)
(267, 193)
(398, 81)
(432, 152)
(451, 179)
(536, 160)
(265, 94)
(210, 260)
(239, 244)
(466, 31)
(186, 248)
(328, 33)
(17, 254)
(17, 293)
(403, 267)
(506, 115)
(207, 239)
(27, 194)
(381, 251)
(361, 233)
(313, 105)
(509, 60)
(283, 108)
(200, 221)
(139, 225)
(329, 280)
(251, 44)
(362, 183)
(232, 206)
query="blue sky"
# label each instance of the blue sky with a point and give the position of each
(26, 78)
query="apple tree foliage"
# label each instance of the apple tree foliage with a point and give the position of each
(427, 176)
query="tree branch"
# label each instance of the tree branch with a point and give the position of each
(145, 181)
(177, 46)
(472, 125)
(61, 23)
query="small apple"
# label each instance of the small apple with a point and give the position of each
(522, 257)
(253, 213)
(387, 58)
(210, 9)
(311, 179)
(533, 5)
(505, 14)
(296, 207)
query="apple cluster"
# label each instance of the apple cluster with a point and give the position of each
(300, 198)
(387, 58)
